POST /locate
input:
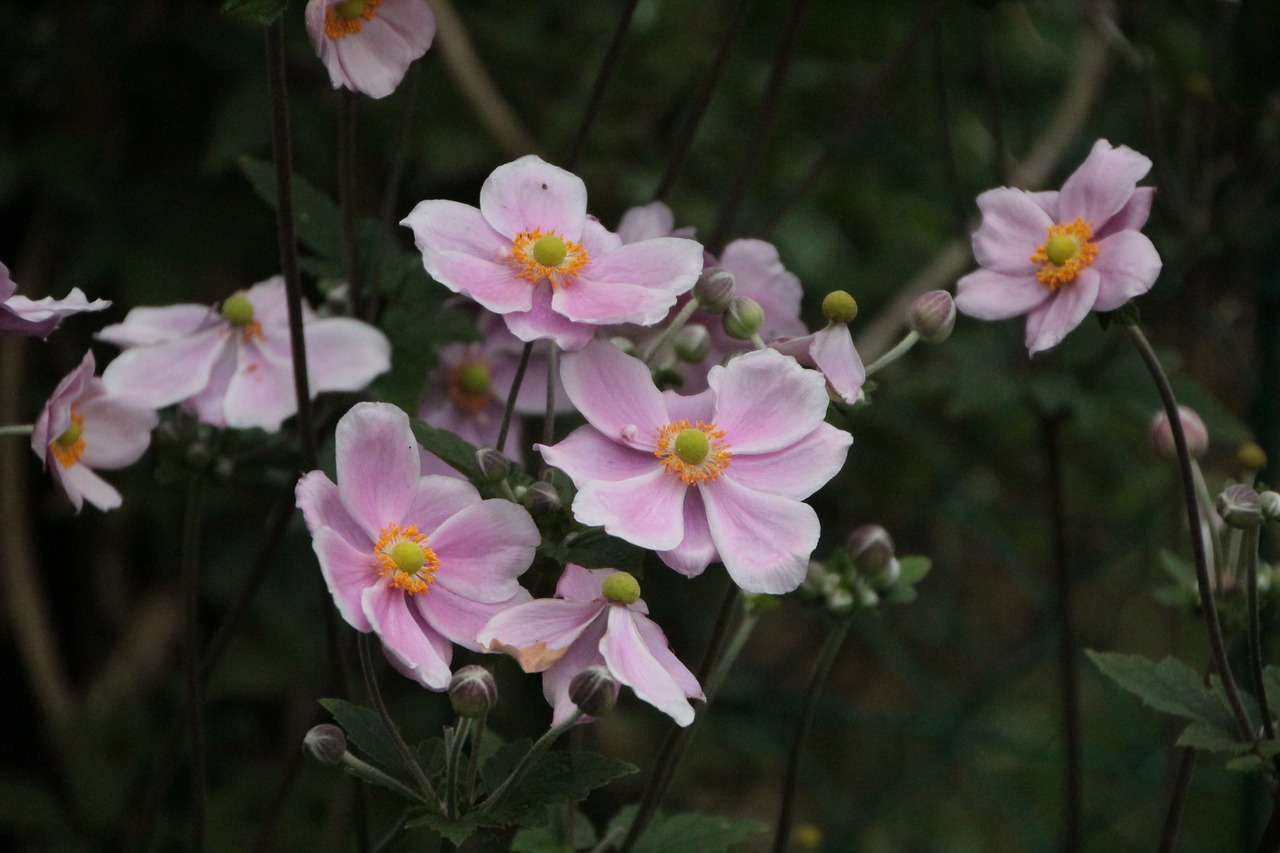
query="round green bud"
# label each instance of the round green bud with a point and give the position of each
(349, 10)
(237, 310)
(407, 556)
(550, 251)
(743, 319)
(1060, 249)
(714, 290)
(692, 446)
(839, 306)
(541, 497)
(491, 466)
(692, 343)
(474, 378)
(70, 437)
(326, 744)
(621, 588)
(1270, 502)
(594, 690)
(472, 691)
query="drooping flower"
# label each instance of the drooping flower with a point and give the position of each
(421, 561)
(830, 350)
(231, 366)
(1056, 256)
(597, 617)
(83, 427)
(368, 45)
(717, 475)
(531, 253)
(39, 317)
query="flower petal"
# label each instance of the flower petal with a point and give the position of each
(81, 484)
(417, 650)
(615, 393)
(162, 374)
(530, 193)
(437, 499)
(145, 326)
(766, 401)
(344, 354)
(990, 295)
(656, 642)
(654, 219)
(1050, 323)
(795, 471)
(484, 548)
(347, 571)
(833, 352)
(647, 511)
(1103, 184)
(377, 462)
(460, 619)
(261, 391)
(1131, 217)
(631, 662)
(322, 506)
(579, 584)
(696, 550)
(635, 283)
(538, 633)
(764, 540)
(543, 322)
(117, 430)
(1127, 266)
(585, 455)
(580, 655)
(1013, 225)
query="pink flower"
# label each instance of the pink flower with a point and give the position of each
(597, 617)
(83, 427)
(39, 317)
(531, 254)
(1056, 256)
(718, 475)
(422, 562)
(367, 45)
(831, 352)
(232, 367)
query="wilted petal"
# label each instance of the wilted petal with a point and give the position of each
(538, 633)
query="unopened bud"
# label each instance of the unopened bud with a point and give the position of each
(472, 691)
(1240, 506)
(932, 316)
(871, 549)
(541, 497)
(1251, 456)
(326, 744)
(594, 690)
(692, 343)
(839, 306)
(1270, 502)
(743, 319)
(1193, 430)
(491, 466)
(714, 290)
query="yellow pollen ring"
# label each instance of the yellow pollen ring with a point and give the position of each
(404, 556)
(1065, 252)
(533, 251)
(348, 17)
(677, 436)
(68, 448)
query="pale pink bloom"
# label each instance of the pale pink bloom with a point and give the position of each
(717, 475)
(831, 352)
(1056, 256)
(1193, 430)
(233, 367)
(421, 561)
(367, 45)
(39, 317)
(531, 253)
(650, 220)
(83, 427)
(581, 627)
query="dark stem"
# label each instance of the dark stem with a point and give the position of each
(549, 423)
(473, 760)
(394, 835)
(281, 151)
(1208, 605)
(830, 649)
(688, 130)
(1255, 634)
(990, 69)
(1177, 799)
(611, 54)
(510, 408)
(347, 193)
(764, 123)
(378, 300)
(190, 583)
(1067, 675)
(375, 696)
(958, 202)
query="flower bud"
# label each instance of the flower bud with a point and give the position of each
(1251, 456)
(714, 290)
(1240, 506)
(491, 466)
(541, 497)
(472, 691)
(692, 343)
(743, 318)
(326, 744)
(932, 316)
(1193, 430)
(839, 306)
(871, 549)
(594, 690)
(1270, 502)
(666, 378)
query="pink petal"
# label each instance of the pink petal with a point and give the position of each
(642, 223)
(270, 301)
(55, 417)
(377, 464)
(543, 322)
(696, 550)
(579, 584)
(691, 408)
(207, 404)
(344, 354)
(765, 401)
(656, 642)
(1013, 225)
(261, 391)
(165, 373)
(417, 650)
(538, 633)
(631, 662)
(460, 619)
(1127, 266)
(1103, 184)
(39, 317)
(615, 393)
(7, 286)
(491, 283)
(760, 275)
(1131, 217)
(587, 455)
(764, 540)
(144, 326)
(1050, 323)
(322, 506)
(347, 571)
(484, 548)
(795, 471)
(635, 283)
(833, 352)
(81, 484)
(990, 295)
(440, 226)
(529, 193)
(436, 500)
(647, 511)
(374, 60)
(117, 430)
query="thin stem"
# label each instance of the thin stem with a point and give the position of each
(1255, 632)
(1208, 605)
(757, 341)
(393, 836)
(553, 371)
(610, 61)
(453, 766)
(1177, 799)
(527, 761)
(677, 323)
(369, 773)
(684, 140)
(18, 429)
(900, 349)
(286, 237)
(400, 154)
(830, 649)
(347, 195)
(375, 695)
(190, 584)
(473, 759)
(510, 408)
(1206, 524)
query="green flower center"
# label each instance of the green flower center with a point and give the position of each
(474, 379)
(839, 307)
(349, 9)
(550, 251)
(237, 310)
(621, 587)
(70, 437)
(692, 446)
(1060, 249)
(408, 556)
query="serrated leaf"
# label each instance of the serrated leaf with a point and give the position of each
(598, 551)
(912, 570)
(262, 11)
(317, 218)
(458, 831)
(558, 776)
(1211, 739)
(1170, 686)
(366, 731)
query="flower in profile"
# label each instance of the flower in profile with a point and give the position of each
(596, 618)
(717, 475)
(830, 350)
(367, 45)
(232, 366)
(1056, 256)
(39, 317)
(83, 427)
(531, 253)
(421, 561)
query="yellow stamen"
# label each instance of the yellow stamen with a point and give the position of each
(1065, 252)
(404, 555)
(470, 386)
(348, 17)
(536, 255)
(690, 459)
(69, 447)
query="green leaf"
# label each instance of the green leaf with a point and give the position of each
(1170, 686)
(900, 594)
(598, 551)
(1211, 738)
(546, 839)
(556, 777)
(262, 11)
(1177, 568)
(366, 731)
(417, 323)
(455, 451)
(913, 569)
(688, 832)
(317, 218)
(1246, 764)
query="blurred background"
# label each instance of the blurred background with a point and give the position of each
(122, 127)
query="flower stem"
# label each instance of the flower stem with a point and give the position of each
(549, 421)
(900, 349)
(677, 323)
(538, 749)
(375, 695)
(190, 586)
(1255, 633)
(611, 54)
(473, 759)
(510, 408)
(830, 649)
(452, 770)
(369, 773)
(1206, 524)
(1208, 605)
(18, 429)
(1177, 799)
